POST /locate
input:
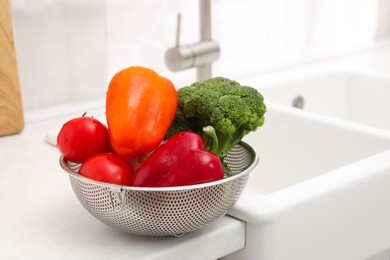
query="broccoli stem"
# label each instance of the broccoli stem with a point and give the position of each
(210, 139)
(221, 149)
(227, 142)
(224, 146)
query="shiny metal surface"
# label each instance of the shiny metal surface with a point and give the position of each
(200, 54)
(164, 211)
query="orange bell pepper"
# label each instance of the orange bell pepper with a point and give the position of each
(140, 107)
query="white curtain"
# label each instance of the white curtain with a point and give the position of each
(269, 34)
(69, 49)
(61, 49)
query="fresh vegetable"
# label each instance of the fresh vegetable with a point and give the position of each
(220, 110)
(179, 161)
(81, 137)
(198, 167)
(107, 167)
(140, 107)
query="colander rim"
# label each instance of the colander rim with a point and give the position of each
(116, 187)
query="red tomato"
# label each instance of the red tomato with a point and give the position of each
(83, 137)
(107, 167)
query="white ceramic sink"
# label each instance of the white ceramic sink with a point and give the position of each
(361, 97)
(321, 189)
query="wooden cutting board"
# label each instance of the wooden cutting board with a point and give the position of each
(11, 110)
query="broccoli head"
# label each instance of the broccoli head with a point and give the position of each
(220, 110)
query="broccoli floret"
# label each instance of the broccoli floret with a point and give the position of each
(220, 110)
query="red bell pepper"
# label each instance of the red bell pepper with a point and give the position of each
(179, 161)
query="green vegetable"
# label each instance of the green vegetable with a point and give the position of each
(220, 110)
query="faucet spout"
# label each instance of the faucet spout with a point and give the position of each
(205, 20)
(199, 55)
(204, 71)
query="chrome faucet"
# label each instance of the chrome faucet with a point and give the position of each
(199, 55)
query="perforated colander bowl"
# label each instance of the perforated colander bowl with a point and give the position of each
(164, 211)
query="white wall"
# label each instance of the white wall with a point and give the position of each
(68, 50)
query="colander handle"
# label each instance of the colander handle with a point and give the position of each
(117, 199)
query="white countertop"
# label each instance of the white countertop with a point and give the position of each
(41, 217)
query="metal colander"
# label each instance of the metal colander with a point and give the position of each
(164, 211)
